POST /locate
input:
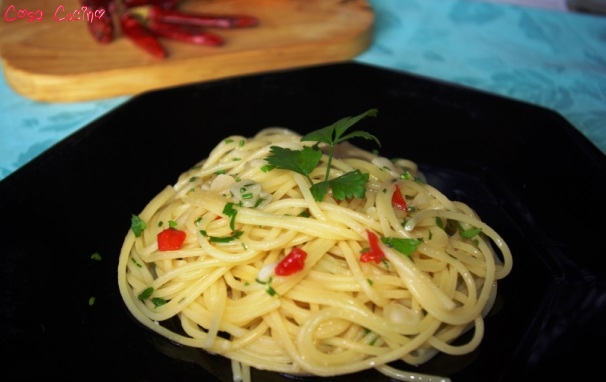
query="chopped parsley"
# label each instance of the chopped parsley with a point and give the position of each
(96, 256)
(222, 239)
(146, 294)
(270, 291)
(404, 246)
(470, 232)
(157, 301)
(231, 212)
(439, 222)
(136, 263)
(137, 225)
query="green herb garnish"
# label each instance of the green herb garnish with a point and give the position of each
(231, 212)
(470, 232)
(136, 263)
(404, 246)
(439, 222)
(137, 225)
(222, 239)
(270, 291)
(157, 301)
(146, 294)
(304, 161)
(96, 256)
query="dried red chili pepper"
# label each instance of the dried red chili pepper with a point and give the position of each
(141, 35)
(164, 19)
(101, 28)
(398, 201)
(185, 33)
(292, 263)
(175, 16)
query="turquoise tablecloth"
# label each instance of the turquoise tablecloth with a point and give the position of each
(546, 57)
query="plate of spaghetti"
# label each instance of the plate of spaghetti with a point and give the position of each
(302, 256)
(334, 223)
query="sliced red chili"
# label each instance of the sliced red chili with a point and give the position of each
(292, 263)
(140, 35)
(374, 253)
(369, 256)
(170, 239)
(398, 201)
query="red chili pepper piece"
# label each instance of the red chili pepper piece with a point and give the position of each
(374, 253)
(170, 239)
(141, 36)
(292, 263)
(398, 201)
(185, 33)
(200, 19)
(98, 19)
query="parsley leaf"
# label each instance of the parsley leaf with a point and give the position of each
(404, 246)
(137, 225)
(333, 134)
(351, 184)
(299, 161)
(320, 189)
(348, 185)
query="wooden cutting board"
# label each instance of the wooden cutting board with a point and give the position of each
(50, 60)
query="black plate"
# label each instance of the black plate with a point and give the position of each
(526, 171)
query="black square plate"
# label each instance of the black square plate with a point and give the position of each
(527, 172)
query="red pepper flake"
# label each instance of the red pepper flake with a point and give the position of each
(292, 263)
(374, 253)
(170, 239)
(397, 200)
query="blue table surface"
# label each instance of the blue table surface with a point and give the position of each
(549, 58)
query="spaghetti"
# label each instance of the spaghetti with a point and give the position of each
(346, 307)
